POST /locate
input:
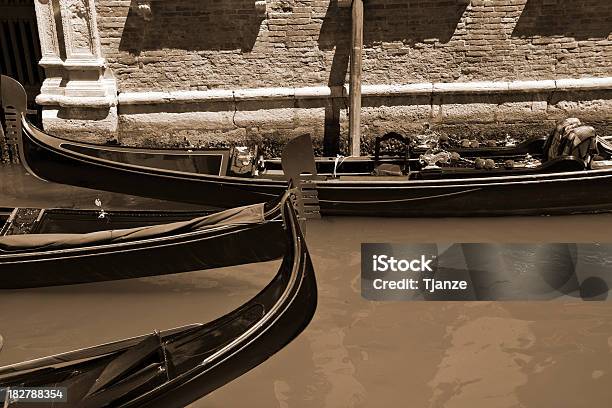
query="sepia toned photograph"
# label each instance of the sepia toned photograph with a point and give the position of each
(305, 203)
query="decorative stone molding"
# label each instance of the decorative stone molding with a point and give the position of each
(80, 32)
(75, 101)
(584, 84)
(77, 74)
(394, 90)
(49, 46)
(84, 63)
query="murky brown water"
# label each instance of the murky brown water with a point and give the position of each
(355, 353)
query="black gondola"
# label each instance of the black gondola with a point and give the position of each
(65, 246)
(562, 182)
(176, 367)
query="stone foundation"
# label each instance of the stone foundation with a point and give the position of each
(490, 110)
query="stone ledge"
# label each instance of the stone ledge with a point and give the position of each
(397, 89)
(584, 84)
(470, 87)
(223, 95)
(75, 101)
(324, 92)
(254, 94)
(84, 64)
(51, 61)
(532, 86)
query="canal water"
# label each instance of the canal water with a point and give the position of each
(355, 353)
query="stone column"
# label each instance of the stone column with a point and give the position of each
(84, 104)
(50, 49)
(84, 63)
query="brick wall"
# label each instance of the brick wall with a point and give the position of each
(493, 39)
(194, 44)
(224, 44)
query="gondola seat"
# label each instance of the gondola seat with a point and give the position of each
(604, 147)
(551, 146)
(571, 138)
(42, 242)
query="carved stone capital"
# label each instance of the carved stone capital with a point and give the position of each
(80, 29)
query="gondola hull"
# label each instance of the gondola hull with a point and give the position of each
(173, 368)
(562, 192)
(219, 246)
(553, 194)
(293, 320)
(60, 166)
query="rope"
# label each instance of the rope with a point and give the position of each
(338, 162)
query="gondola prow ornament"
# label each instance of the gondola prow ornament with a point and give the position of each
(14, 101)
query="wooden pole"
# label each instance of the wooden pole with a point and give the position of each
(355, 78)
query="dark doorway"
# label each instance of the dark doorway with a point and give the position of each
(19, 56)
(19, 45)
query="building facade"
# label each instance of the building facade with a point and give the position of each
(209, 72)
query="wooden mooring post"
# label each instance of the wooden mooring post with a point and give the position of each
(355, 78)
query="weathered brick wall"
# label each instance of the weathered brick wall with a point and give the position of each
(194, 44)
(491, 40)
(198, 45)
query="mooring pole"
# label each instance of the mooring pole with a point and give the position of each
(355, 78)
